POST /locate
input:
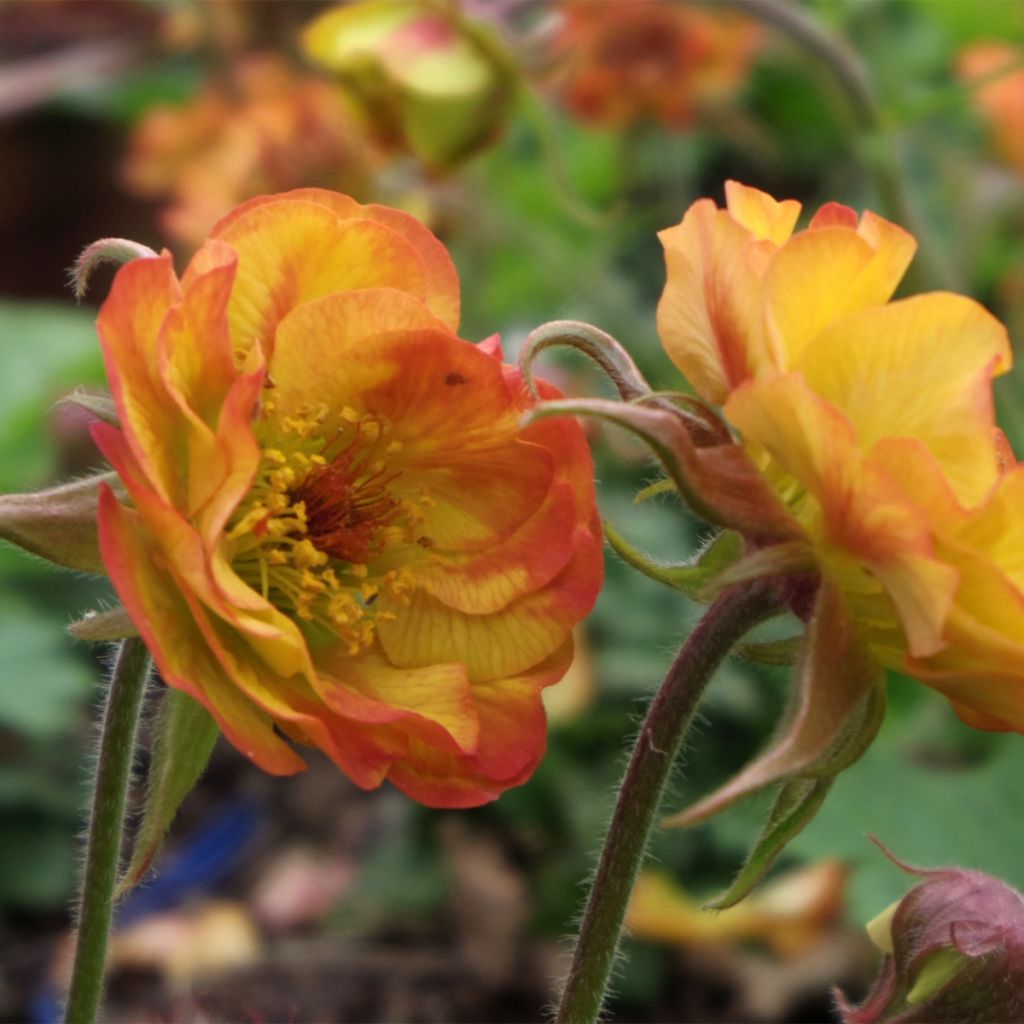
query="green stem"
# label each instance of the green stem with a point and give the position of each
(733, 613)
(106, 826)
(878, 148)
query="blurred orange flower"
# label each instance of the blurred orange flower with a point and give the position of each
(629, 60)
(267, 128)
(1001, 100)
(338, 529)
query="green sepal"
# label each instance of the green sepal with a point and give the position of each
(788, 558)
(184, 738)
(105, 626)
(800, 798)
(101, 406)
(771, 652)
(718, 482)
(689, 577)
(796, 804)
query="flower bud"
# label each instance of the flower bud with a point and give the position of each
(427, 79)
(954, 950)
(58, 524)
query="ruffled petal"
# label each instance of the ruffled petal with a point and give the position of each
(920, 368)
(504, 643)
(761, 214)
(433, 703)
(129, 326)
(859, 512)
(709, 316)
(513, 738)
(290, 253)
(155, 601)
(442, 293)
(826, 273)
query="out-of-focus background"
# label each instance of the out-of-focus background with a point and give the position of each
(546, 143)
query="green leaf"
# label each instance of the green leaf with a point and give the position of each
(46, 349)
(185, 736)
(689, 577)
(44, 685)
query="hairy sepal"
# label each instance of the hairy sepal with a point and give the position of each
(718, 482)
(184, 738)
(689, 577)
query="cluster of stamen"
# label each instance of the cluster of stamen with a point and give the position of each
(315, 532)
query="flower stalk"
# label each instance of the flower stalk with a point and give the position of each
(733, 614)
(106, 828)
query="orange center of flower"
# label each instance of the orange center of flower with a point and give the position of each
(322, 531)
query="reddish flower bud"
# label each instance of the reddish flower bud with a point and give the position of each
(954, 953)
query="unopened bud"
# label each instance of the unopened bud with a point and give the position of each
(954, 950)
(58, 524)
(425, 77)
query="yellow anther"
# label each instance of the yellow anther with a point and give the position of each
(277, 557)
(359, 571)
(282, 479)
(349, 415)
(306, 556)
(254, 516)
(369, 428)
(275, 455)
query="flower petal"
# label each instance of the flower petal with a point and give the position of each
(709, 316)
(762, 215)
(433, 703)
(293, 252)
(919, 368)
(826, 273)
(503, 643)
(512, 743)
(442, 294)
(129, 328)
(152, 596)
(859, 513)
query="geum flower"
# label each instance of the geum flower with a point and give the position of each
(872, 423)
(858, 471)
(338, 531)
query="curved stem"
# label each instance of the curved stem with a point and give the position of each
(733, 613)
(844, 65)
(106, 826)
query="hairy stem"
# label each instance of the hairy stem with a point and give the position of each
(733, 613)
(106, 827)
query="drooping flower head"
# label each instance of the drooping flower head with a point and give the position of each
(872, 422)
(338, 532)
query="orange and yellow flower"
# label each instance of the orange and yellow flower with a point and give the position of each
(873, 421)
(338, 531)
(264, 127)
(1000, 99)
(623, 61)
